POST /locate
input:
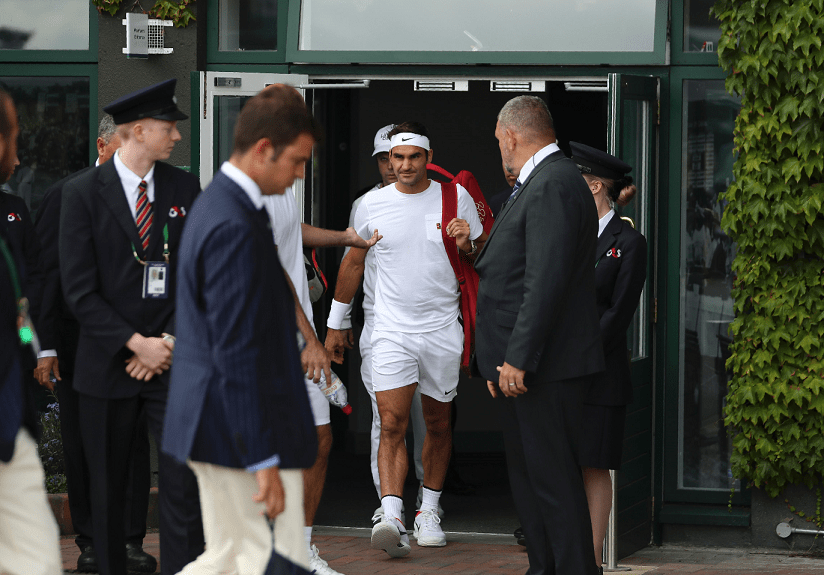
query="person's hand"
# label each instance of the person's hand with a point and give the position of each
(154, 353)
(42, 373)
(354, 240)
(510, 381)
(316, 361)
(338, 340)
(136, 369)
(459, 229)
(270, 491)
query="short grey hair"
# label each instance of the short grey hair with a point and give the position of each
(107, 128)
(529, 116)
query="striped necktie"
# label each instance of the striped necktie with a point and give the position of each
(515, 189)
(144, 215)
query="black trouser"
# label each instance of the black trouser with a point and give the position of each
(540, 432)
(77, 474)
(106, 426)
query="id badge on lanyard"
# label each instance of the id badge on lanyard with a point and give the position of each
(156, 274)
(156, 280)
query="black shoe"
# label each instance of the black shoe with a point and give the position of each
(519, 535)
(139, 560)
(87, 562)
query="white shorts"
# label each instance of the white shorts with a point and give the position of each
(432, 359)
(318, 401)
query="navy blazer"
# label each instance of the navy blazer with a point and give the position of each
(536, 299)
(237, 394)
(103, 282)
(620, 273)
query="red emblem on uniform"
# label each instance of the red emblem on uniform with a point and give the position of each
(12, 217)
(175, 211)
(613, 253)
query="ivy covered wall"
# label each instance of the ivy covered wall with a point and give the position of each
(772, 50)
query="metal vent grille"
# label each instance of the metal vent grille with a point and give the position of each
(517, 86)
(441, 86)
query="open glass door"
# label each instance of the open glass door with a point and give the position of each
(222, 96)
(633, 137)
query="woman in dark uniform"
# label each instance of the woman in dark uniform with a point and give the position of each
(620, 272)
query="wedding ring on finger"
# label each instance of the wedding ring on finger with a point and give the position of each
(511, 385)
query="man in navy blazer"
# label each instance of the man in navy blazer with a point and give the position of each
(238, 409)
(537, 334)
(29, 539)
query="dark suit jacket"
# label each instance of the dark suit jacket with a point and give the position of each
(237, 394)
(619, 278)
(15, 409)
(102, 281)
(15, 217)
(56, 326)
(536, 300)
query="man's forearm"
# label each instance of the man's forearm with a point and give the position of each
(320, 238)
(349, 276)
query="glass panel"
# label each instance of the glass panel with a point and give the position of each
(478, 25)
(248, 25)
(701, 31)
(635, 147)
(227, 109)
(54, 132)
(45, 25)
(706, 308)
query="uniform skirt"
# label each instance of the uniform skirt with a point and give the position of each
(602, 436)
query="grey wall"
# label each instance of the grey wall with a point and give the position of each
(118, 75)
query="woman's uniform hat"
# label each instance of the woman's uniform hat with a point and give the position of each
(157, 101)
(593, 161)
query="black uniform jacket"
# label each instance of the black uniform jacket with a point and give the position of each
(103, 281)
(56, 327)
(21, 236)
(619, 278)
(536, 299)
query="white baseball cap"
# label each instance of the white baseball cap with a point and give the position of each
(382, 140)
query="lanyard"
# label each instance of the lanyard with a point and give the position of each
(165, 246)
(25, 330)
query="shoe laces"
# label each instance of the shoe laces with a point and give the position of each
(427, 516)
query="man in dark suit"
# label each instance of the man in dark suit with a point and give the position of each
(59, 332)
(120, 228)
(537, 334)
(29, 539)
(238, 409)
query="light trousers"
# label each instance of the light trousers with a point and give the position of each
(29, 538)
(238, 537)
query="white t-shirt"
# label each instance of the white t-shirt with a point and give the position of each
(415, 289)
(283, 211)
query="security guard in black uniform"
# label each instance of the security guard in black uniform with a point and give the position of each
(120, 228)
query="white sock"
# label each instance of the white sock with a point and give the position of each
(307, 532)
(430, 499)
(392, 505)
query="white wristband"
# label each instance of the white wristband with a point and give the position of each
(339, 315)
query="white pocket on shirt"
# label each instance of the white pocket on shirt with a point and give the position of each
(433, 227)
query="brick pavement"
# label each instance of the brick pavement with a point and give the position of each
(348, 551)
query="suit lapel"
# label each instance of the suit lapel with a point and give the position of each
(111, 191)
(508, 207)
(608, 238)
(164, 194)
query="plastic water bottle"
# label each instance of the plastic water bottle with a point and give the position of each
(335, 393)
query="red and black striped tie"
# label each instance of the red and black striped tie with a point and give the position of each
(144, 214)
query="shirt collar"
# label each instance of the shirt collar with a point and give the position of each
(130, 180)
(602, 222)
(246, 183)
(536, 159)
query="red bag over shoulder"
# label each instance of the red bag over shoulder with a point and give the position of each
(464, 270)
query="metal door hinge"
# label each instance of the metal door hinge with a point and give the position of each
(655, 310)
